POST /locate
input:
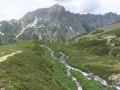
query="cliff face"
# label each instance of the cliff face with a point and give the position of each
(92, 22)
(53, 24)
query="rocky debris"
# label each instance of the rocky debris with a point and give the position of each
(116, 78)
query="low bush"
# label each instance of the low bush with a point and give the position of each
(97, 31)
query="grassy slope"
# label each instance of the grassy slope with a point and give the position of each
(99, 31)
(93, 54)
(89, 84)
(32, 69)
(78, 59)
(60, 73)
(23, 45)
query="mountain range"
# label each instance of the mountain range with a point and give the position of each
(52, 24)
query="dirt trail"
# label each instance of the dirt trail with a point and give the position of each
(3, 58)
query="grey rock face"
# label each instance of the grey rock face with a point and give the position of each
(55, 24)
(91, 21)
(8, 31)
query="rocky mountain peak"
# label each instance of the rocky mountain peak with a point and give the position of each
(57, 7)
(110, 14)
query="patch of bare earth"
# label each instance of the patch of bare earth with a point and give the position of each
(3, 58)
(116, 78)
(109, 38)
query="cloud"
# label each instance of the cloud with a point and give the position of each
(109, 6)
(81, 6)
(15, 9)
(90, 6)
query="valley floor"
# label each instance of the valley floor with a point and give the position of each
(33, 68)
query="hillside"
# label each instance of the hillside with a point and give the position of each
(97, 51)
(100, 31)
(31, 69)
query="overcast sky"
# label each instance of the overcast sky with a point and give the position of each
(15, 9)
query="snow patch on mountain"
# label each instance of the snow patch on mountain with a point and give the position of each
(2, 33)
(78, 33)
(10, 23)
(21, 32)
(72, 30)
(28, 26)
(40, 38)
(35, 22)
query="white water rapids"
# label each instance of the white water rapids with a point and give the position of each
(89, 76)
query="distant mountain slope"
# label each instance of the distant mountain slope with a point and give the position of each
(92, 22)
(52, 24)
(8, 31)
(99, 31)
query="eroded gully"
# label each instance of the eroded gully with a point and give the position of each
(89, 76)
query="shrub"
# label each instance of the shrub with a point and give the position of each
(97, 31)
